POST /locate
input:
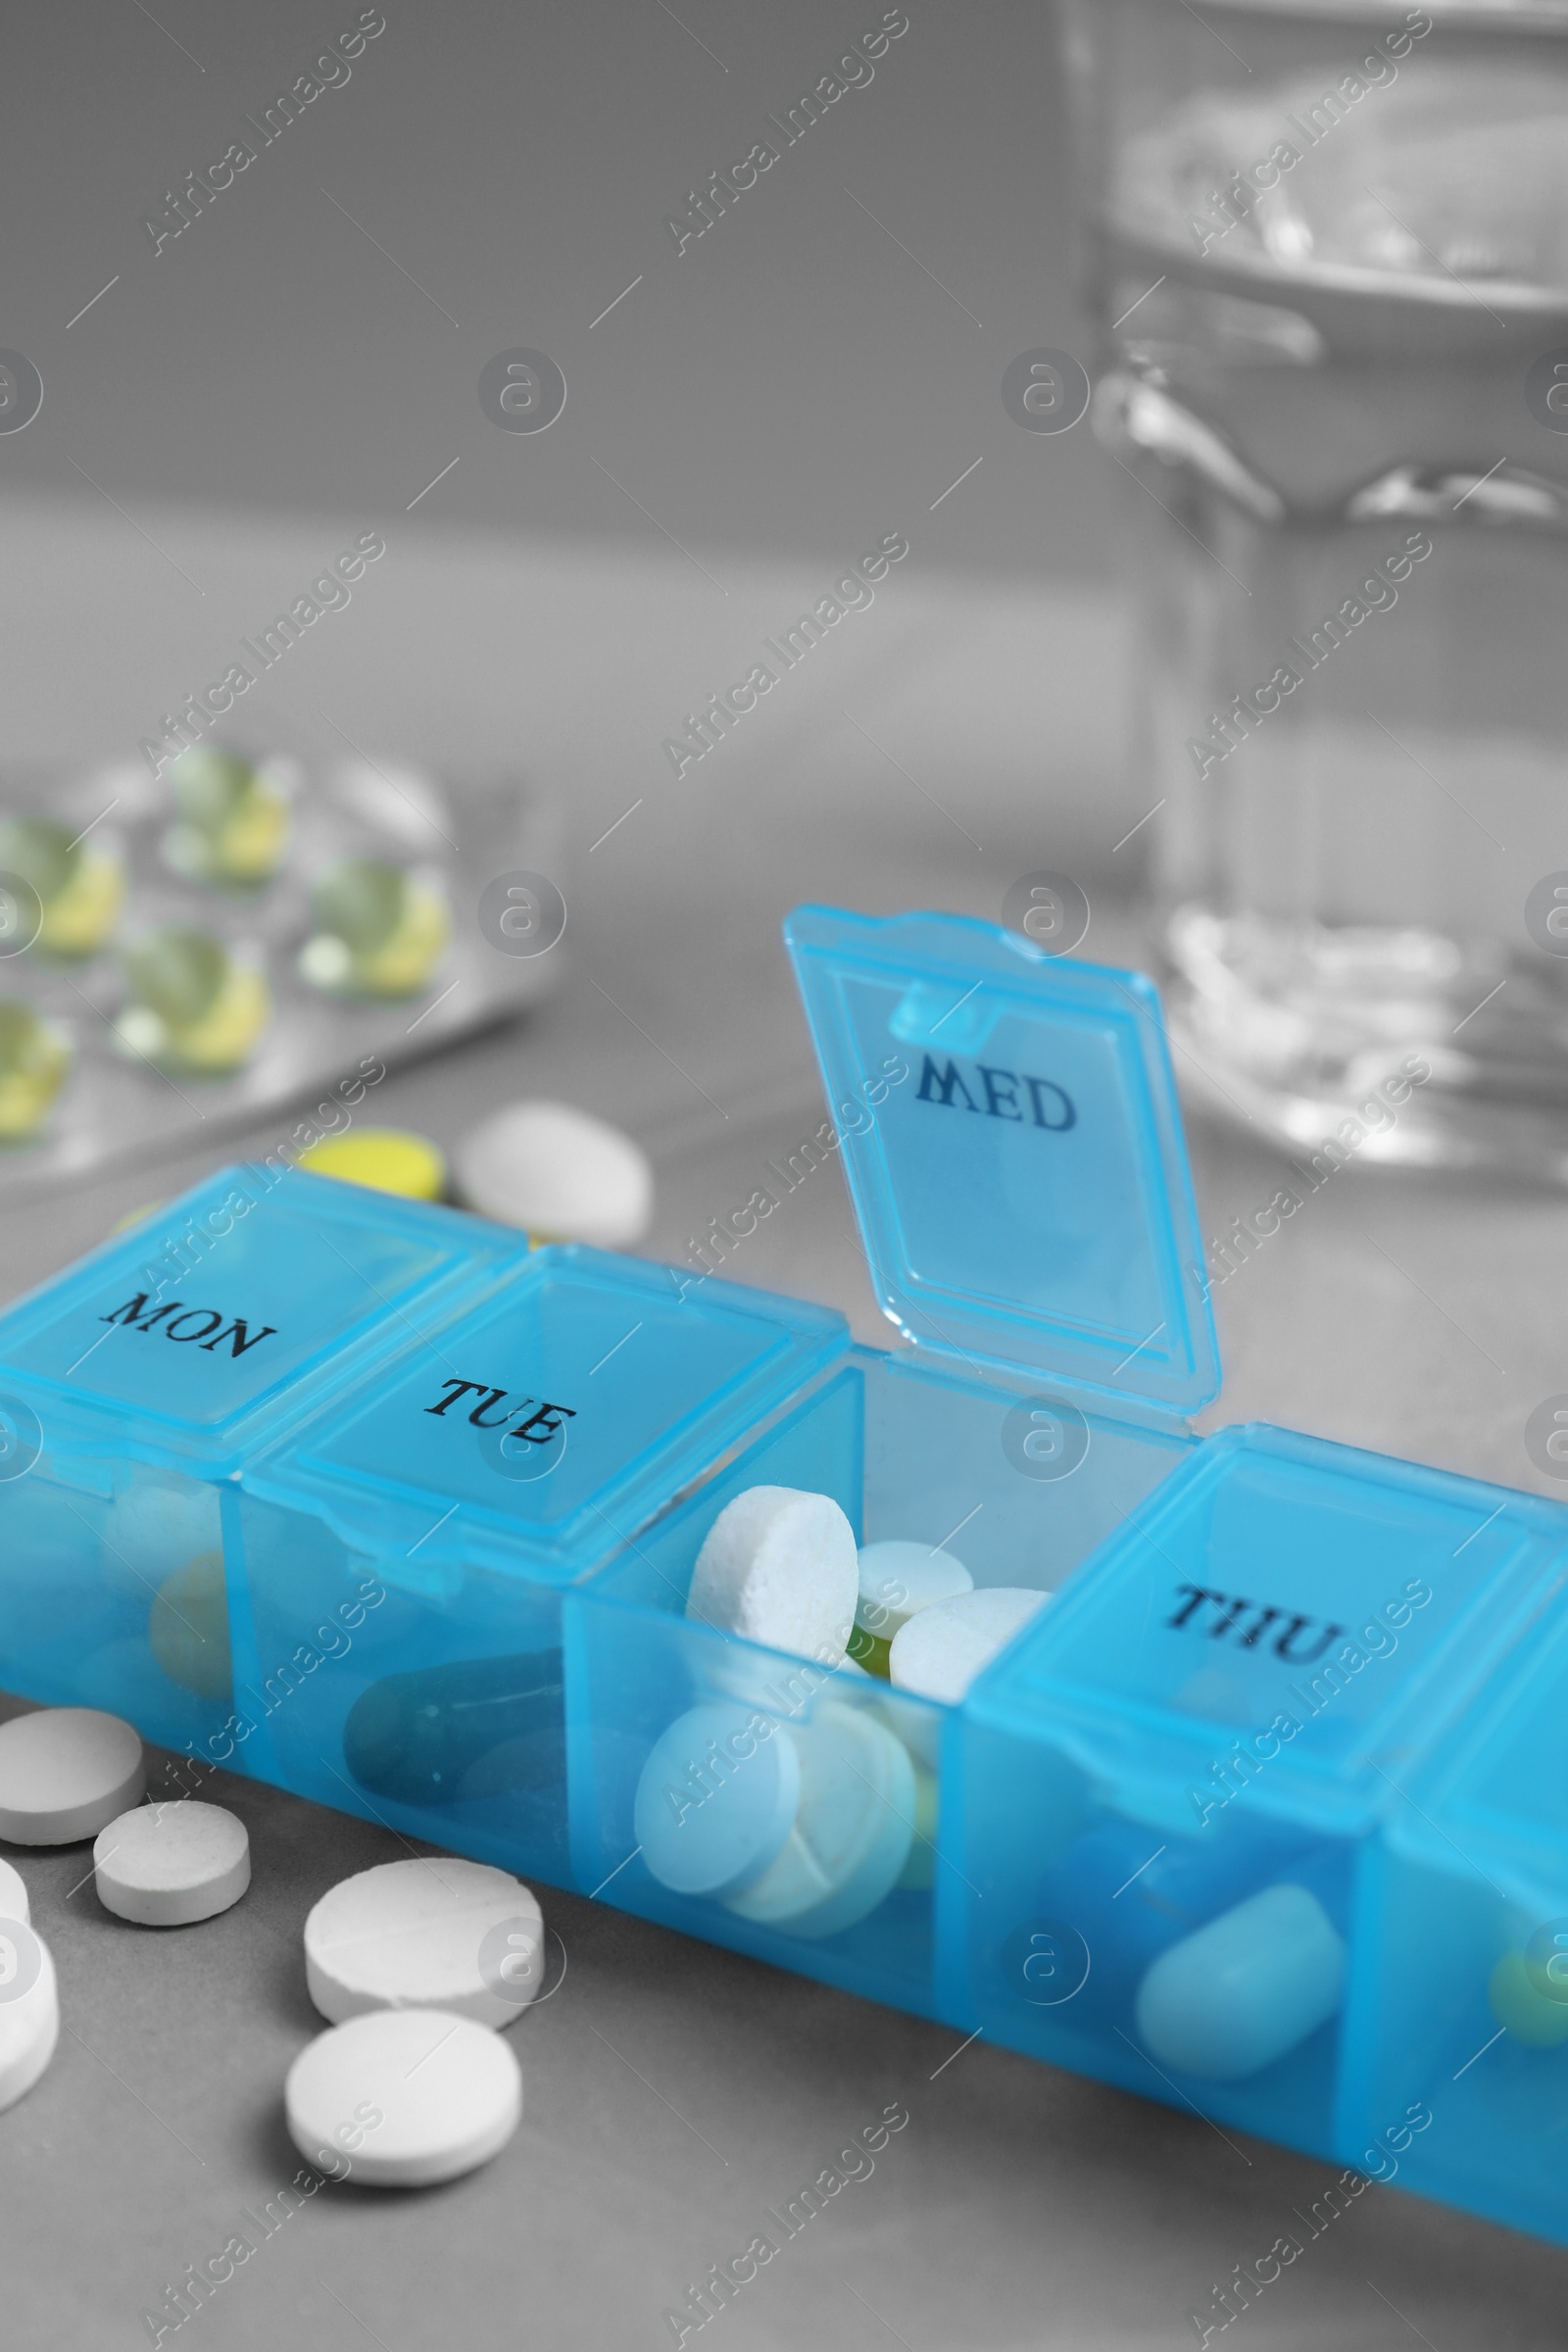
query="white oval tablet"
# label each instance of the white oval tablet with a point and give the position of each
(399, 2098)
(939, 1652)
(168, 1865)
(65, 1772)
(852, 1828)
(13, 1904)
(1238, 1993)
(559, 1173)
(29, 2009)
(897, 1579)
(441, 1934)
(779, 1566)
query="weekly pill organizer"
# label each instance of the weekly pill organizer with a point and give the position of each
(1264, 1813)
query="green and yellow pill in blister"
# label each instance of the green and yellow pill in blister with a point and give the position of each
(234, 821)
(191, 1003)
(73, 887)
(379, 930)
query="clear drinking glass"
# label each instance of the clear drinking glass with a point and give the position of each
(1325, 247)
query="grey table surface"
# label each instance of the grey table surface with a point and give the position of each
(675, 2091)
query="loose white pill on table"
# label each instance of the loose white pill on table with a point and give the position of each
(939, 1652)
(852, 1828)
(400, 2098)
(779, 1566)
(168, 1865)
(430, 1932)
(29, 2009)
(716, 1798)
(1243, 1990)
(560, 1174)
(65, 1772)
(13, 1904)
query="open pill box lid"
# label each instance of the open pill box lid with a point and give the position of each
(1023, 1191)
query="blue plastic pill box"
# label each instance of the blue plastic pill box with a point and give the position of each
(1263, 1813)
(138, 1384)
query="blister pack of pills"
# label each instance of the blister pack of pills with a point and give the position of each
(180, 953)
(962, 1676)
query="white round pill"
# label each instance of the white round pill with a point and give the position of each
(852, 1829)
(427, 1934)
(400, 2098)
(897, 1579)
(65, 1772)
(779, 1566)
(716, 1798)
(168, 1865)
(13, 1904)
(560, 1174)
(1238, 1993)
(29, 2009)
(939, 1652)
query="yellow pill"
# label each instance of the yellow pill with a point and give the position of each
(187, 1631)
(1530, 2015)
(388, 1159)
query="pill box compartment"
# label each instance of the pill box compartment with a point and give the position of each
(404, 1553)
(1467, 2040)
(135, 1385)
(1008, 1126)
(909, 1451)
(1187, 1767)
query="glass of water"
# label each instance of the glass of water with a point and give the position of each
(1326, 246)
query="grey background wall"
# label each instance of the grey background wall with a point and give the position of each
(795, 377)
